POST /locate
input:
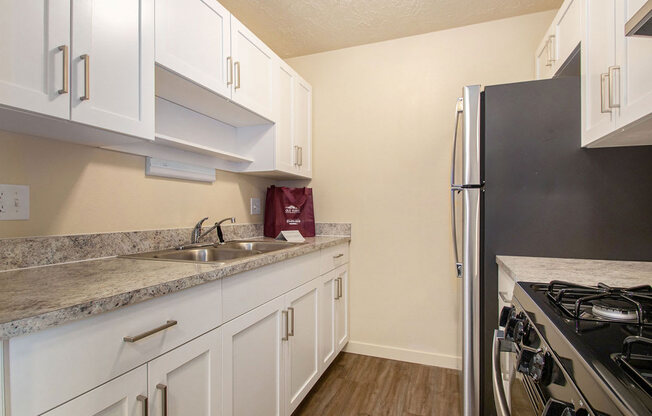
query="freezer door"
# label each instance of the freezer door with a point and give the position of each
(471, 301)
(471, 137)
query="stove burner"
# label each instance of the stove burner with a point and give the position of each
(614, 309)
(603, 303)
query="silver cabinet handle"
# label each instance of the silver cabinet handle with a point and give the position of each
(229, 71)
(604, 101)
(164, 391)
(336, 282)
(551, 50)
(300, 155)
(338, 256)
(138, 337)
(64, 89)
(287, 326)
(236, 66)
(499, 390)
(143, 400)
(339, 288)
(87, 76)
(548, 59)
(296, 155)
(614, 86)
(291, 330)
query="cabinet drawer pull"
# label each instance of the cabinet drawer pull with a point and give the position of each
(143, 400)
(87, 76)
(338, 256)
(614, 86)
(236, 66)
(229, 71)
(291, 331)
(64, 89)
(287, 325)
(138, 337)
(604, 102)
(164, 391)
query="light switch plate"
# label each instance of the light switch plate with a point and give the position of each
(255, 206)
(14, 202)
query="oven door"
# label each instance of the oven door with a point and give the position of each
(514, 393)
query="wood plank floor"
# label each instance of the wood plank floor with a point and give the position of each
(359, 385)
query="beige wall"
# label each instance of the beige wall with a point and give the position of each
(79, 189)
(383, 124)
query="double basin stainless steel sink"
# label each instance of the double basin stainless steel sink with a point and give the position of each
(218, 253)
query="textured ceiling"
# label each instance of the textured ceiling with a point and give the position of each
(301, 27)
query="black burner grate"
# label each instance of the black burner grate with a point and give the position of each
(622, 305)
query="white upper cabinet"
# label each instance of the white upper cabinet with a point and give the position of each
(35, 46)
(560, 40)
(634, 58)
(112, 64)
(193, 39)
(303, 127)
(598, 56)
(285, 147)
(616, 81)
(253, 69)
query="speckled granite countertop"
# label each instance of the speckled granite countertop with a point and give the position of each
(584, 272)
(36, 298)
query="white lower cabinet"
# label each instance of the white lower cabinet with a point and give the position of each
(186, 380)
(173, 356)
(302, 352)
(342, 308)
(253, 361)
(123, 396)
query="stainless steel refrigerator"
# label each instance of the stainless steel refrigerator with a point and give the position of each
(522, 185)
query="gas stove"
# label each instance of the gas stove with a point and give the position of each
(580, 350)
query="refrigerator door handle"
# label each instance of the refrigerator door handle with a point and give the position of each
(459, 109)
(458, 265)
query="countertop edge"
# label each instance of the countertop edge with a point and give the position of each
(35, 323)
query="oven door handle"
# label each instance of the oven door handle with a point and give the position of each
(502, 407)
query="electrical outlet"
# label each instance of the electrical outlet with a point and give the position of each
(255, 206)
(14, 202)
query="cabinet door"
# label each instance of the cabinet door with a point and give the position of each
(186, 380)
(327, 299)
(303, 125)
(598, 54)
(252, 362)
(568, 31)
(123, 396)
(32, 68)
(253, 66)
(635, 62)
(342, 309)
(542, 60)
(285, 147)
(112, 63)
(302, 363)
(200, 54)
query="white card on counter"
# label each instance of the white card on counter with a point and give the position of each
(292, 236)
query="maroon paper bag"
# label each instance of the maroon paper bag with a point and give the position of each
(289, 209)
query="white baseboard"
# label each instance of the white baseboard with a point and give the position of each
(403, 354)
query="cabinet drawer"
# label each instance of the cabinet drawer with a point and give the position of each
(247, 291)
(51, 366)
(334, 257)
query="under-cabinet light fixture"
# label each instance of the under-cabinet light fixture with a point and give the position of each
(177, 170)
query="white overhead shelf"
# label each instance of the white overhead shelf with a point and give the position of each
(198, 148)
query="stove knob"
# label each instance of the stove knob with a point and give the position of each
(513, 323)
(539, 368)
(519, 330)
(505, 314)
